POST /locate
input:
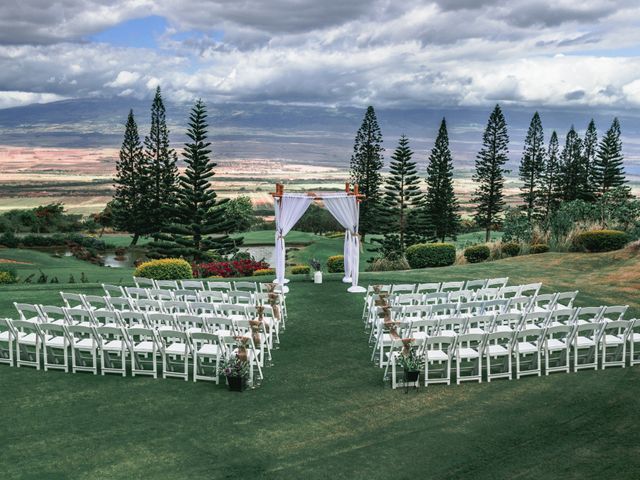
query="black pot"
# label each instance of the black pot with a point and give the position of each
(236, 384)
(411, 376)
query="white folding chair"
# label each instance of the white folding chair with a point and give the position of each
(486, 294)
(176, 352)
(119, 303)
(106, 318)
(272, 324)
(444, 310)
(475, 284)
(191, 285)
(161, 321)
(543, 303)
(496, 306)
(96, 302)
(221, 326)
(84, 348)
(160, 294)
(468, 357)
(557, 343)
(563, 316)
(396, 350)
(79, 316)
(480, 324)
(634, 338)
(190, 323)
(470, 309)
(530, 289)
(28, 343)
(28, 312)
(147, 305)
(231, 310)
(527, 350)
(613, 343)
(587, 315)
(74, 301)
(219, 286)
(176, 307)
(462, 296)
(565, 300)
(585, 346)
(247, 286)
(509, 292)
(437, 359)
(7, 341)
(143, 351)
(451, 286)
(167, 284)
(112, 348)
(143, 283)
(613, 313)
(535, 320)
(186, 295)
(498, 355)
(131, 319)
(113, 291)
(259, 338)
(403, 288)
(137, 293)
(233, 344)
(496, 282)
(52, 314)
(507, 322)
(520, 304)
(452, 326)
(213, 296)
(428, 288)
(207, 353)
(240, 297)
(55, 346)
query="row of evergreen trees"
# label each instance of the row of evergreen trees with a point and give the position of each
(585, 169)
(151, 199)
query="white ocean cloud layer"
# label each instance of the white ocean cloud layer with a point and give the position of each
(444, 52)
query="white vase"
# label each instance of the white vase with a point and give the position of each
(317, 277)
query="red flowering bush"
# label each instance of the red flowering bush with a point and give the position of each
(233, 268)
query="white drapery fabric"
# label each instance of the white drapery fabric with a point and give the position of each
(345, 209)
(288, 210)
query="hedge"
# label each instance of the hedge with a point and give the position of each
(477, 253)
(164, 269)
(8, 276)
(300, 270)
(424, 255)
(261, 272)
(511, 249)
(539, 248)
(335, 264)
(600, 240)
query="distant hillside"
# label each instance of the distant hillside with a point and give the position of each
(297, 134)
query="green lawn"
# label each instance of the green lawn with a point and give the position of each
(323, 411)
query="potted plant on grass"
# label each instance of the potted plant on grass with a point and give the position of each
(317, 270)
(411, 365)
(236, 370)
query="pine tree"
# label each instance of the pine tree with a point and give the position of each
(162, 172)
(402, 191)
(531, 166)
(196, 217)
(366, 163)
(441, 205)
(490, 172)
(549, 186)
(589, 150)
(130, 199)
(572, 167)
(608, 168)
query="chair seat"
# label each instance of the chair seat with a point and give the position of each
(194, 330)
(223, 333)
(497, 350)
(527, 347)
(503, 328)
(467, 353)
(419, 335)
(613, 340)
(5, 336)
(113, 345)
(176, 349)
(447, 333)
(478, 331)
(56, 342)
(27, 339)
(585, 342)
(85, 344)
(208, 350)
(436, 356)
(555, 344)
(635, 337)
(143, 347)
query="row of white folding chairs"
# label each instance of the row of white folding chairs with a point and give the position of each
(425, 298)
(106, 348)
(492, 355)
(439, 286)
(410, 322)
(142, 282)
(151, 313)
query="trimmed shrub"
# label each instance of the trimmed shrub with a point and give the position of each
(539, 248)
(511, 249)
(335, 264)
(600, 240)
(424, 255)
(8, 276)
(164, 269)
(477, 253)
(234, 268)
(262, 272)
(300, 270)
(9, 240)
(386, 265)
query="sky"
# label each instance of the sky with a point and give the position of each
(581, 54)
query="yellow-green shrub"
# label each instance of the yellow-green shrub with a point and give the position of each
(512, 249)
(477, 253)
(539, 248)
(600, 240)
(8, 276)
(300, 270)
(424, 255)
(262, 272)
(165, 269)
(335, 264)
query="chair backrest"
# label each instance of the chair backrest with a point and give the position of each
(29, 312)
(110, 333)
(161, 321)
(559, 332)
(530, 289)
(565, 299)
(499, 305)
(486, 294)
(140, 334)
(187, 322)
(497, 282)
(200, 338)
(119, 303)
(203, 308)
(113, 290)
(6, 326)
(428, 287)
(475, 284)
(424, 325)
(470, 309)
(51, 313)
(451, 286)
(520, 304)
(136, 292)
(247, 286)
(73, 300)
(509, 320)
(176, 306)
(444, 310)
(546, 301)
(53, 330)
(452, 324)
(529, 335)
(471, 340)
(228, 309)
(219, 286)
(509, 292)
(588, 330)
(80, 332)
(105, 317)
(220, 323)
(563, 316)
(168, 337)
(483, 322)
(191, 285)
(588, 314)
(435, 298)
(96, 301)
(536, 319)
(462, 296)
(620, 328)
(25, 327)
(78, 315)
(403, 288)
(142, 282)
(186, 295)
(613, 313)
(504, 339)
(440, 342)
(160, 294)
(415, 312)
(252, 311)
(240, 297)
(215, 296)
(147, 305)
(167, 284)
(131, 319)
(408, 299)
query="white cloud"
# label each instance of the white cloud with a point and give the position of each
(124, 79)
(10, 99)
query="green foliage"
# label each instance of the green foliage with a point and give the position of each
(8, 276)
(569, 216)
(490, 172)
(550, 182)
(319, 220)
(441, 206)
(431, 255)
(300, 270)
(237, 214)
(389, 247)
(572, 168)
(365, 166)
(49, 218)
(477, 253)
(402, 192)
(165, 269)
(387, 265)
(539, 248)
(9, 240)
(511, 249)
(589, 153)
(532, 166)
(335, 264)
(516, 226)
(263, 272)
(608, 168)
(600, 240)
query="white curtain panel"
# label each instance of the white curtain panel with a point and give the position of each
(345, 209)
(288, 209)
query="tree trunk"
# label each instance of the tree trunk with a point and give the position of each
(134, 240)
(487, 235)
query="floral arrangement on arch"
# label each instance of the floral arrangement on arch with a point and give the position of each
(226, 269)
